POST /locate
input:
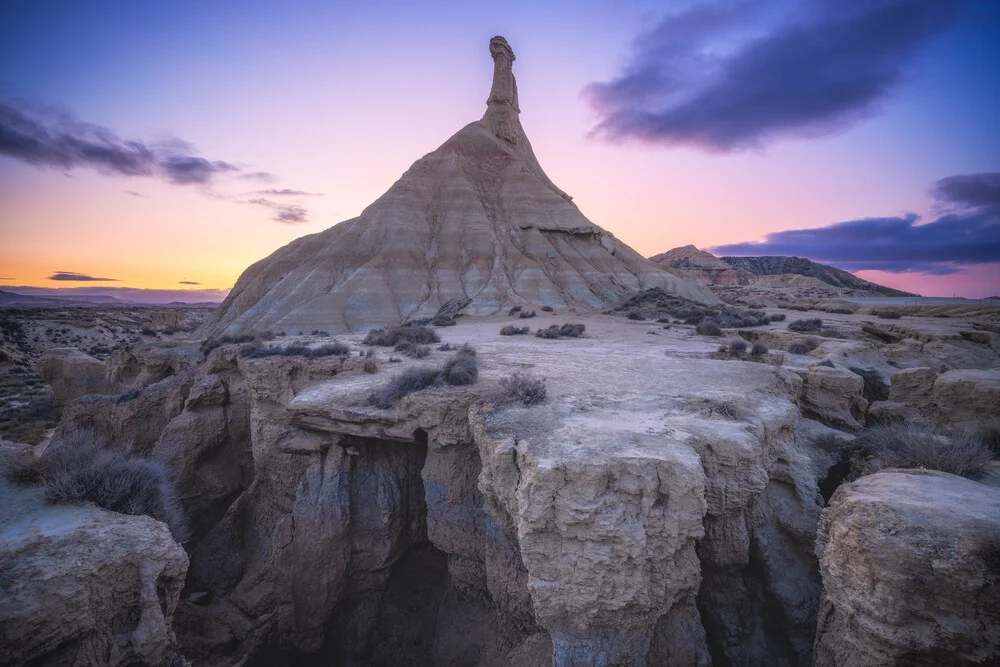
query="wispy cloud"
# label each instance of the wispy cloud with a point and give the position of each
(47, 138)
(136, 194)
(286, 192)
(287, 214)
(260, 176)
(188, 282)
(969, 233)
(72, 276)
(732, 75)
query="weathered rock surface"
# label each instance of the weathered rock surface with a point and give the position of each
(475, 219)
(966, 395)
(834, 396)
(903, 579)
(83, 586)
(72, 373)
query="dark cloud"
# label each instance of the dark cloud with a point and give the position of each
(72, 276)
(285, 192)
(135, 194)
(56, 140)
(969, 190)
(729, 76)
(187, 169)
(969, 234)
(288, 214)
(187, 282)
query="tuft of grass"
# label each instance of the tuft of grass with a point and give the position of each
(738, 347)
(412, 350)
(812, 325)
(803, 347)
(727, 410)
(461, 370)
(77, 468)
(212, 343)
(408, 382)
(917, 445)
(564, 331)
(708, 328)
(521, 388)
(511, 330)
(987, 432)
(390, 336)
(758, 349)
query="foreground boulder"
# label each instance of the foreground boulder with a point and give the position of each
(906, 575)
(83, 586)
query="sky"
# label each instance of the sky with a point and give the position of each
(169, 146)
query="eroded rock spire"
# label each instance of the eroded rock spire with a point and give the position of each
(502, 111)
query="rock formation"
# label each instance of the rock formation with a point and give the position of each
(906, 580)
(475, 219)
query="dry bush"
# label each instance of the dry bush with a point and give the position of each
(408, 382)
(547, 309)
(390, 336)
(564, 331)
(412, 350)
(738, 347)
(777, 317)
(445, 347)
(758, 349)
(988, 551)
(987, 432)
(335, 348)
(727, 410)
(917, 445)
(371, 365)
(514, 311)
(708, 328)
(889, 314)
(806, 326)
(441, 320)
(527, 314)
(511, 330)
(76, 469)
(212, 343)
(803, 347)
(462, 370)
(520, 388)
(635, 315)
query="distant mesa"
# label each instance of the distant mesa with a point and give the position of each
(477, 219)
(695, 264)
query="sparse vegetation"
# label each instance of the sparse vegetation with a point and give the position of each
(635, 315)
(371, 365)
(655, 304)
(332, 349)
(806, 326)
(803, 347)
(777, 317)
(727, 410)
(457, 371)
(76, 469)
(441, 320)
(564, 331)
(390, 336)
(708, 328)
(511, 330)
(445, 347)
(987, 432)
(889, 314)
(412, 350)
(520, 388)
(758, 349)
(917, 445)
(526, 314)
(547, 309)
(738, 347)
(212, 343)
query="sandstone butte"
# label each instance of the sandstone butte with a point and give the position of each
(475, 219)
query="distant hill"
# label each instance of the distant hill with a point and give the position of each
(778, 265)
(11, 299)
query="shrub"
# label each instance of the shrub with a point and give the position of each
(663, 320)
(146, 331)
(514, 311)
(317, 332)
(758, 349)
(738, 347)
(443, 321)
(755, 305)
(777, 317)
(390, 336)
(408, 382)
(547, 309)
(804, 347)
(806, 326)
(212, 343)
(635, 315)
(889, 314)
(916, 445)
(77, 469)
(526, 314)
(521, 388)
(727, 410)
(564, 331)
(371, 365)
(987, 432)
(461, 370)
(335, 348)
(445, 347)
(412, 350)
(514, 331)
(708, 328)
(466, 350)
